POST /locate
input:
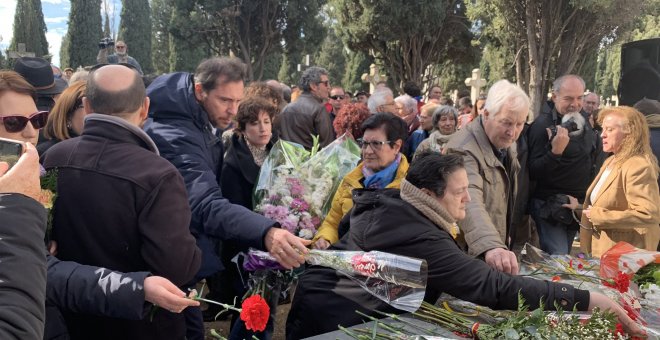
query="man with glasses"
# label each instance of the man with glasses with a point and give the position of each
(119, 57)
(382, 100)
(307, 116)
(338, 98)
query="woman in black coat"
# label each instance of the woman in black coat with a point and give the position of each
(418, 221)
(248, 148)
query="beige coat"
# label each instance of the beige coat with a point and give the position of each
(489, 212)
(627, 208)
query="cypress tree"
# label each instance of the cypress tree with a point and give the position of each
(30, 28)
(160, 40)
(135, 31)
(83, 35)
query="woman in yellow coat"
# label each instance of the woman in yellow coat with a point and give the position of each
(623, 201)
(382, 166)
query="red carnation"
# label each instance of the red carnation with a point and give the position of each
(621, 282)
(619, 330)
(255, 313)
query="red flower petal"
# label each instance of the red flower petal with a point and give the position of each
(255, 313)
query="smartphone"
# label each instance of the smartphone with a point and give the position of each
(11, 151)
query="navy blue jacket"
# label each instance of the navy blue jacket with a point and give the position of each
(182, 132)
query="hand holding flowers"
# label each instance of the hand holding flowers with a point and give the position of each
(286, 248)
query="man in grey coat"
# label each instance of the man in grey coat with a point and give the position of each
(307, 116)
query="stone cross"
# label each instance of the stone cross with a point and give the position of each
(373, 77)
(20, 53)
(475, 83)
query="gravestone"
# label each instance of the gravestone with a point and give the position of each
(475, 83)
(373, 77)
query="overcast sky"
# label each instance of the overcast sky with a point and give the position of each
(56, 14)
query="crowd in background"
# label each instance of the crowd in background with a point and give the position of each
(155, 181)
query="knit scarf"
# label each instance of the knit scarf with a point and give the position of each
(438, 140)
(429, 207)
(382, 178)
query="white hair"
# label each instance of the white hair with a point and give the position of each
(378, 98)
(409, 103)
(504, 92)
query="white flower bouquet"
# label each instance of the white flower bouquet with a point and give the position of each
(295, 186)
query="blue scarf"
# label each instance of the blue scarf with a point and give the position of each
(381, 179)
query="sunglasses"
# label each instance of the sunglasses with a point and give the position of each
(326, 83)
(15, 124)
(337, 97)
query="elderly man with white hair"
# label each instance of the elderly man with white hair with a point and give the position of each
(407, 109)
(492, 166)
(382, 100)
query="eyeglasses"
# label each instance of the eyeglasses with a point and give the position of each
(375, 145)
(119, 47)
(326, 83)
(337, 97)
(15, 124)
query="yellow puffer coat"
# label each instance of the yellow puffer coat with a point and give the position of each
(343, 202)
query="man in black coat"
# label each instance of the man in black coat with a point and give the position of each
(561, 163)
(119, 204)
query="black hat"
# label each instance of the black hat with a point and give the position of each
(38, 73)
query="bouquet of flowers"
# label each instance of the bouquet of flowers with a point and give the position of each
(398, 280)
(295, 187)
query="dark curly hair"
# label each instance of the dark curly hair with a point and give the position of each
(350, 118)
(249, 110)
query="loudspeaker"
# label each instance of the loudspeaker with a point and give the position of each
(640, 71)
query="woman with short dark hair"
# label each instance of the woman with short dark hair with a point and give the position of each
(382, 166)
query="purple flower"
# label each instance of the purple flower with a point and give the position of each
(256, 260)
(299, 205)
(290, 223)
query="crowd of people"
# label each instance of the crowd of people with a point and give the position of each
(155, 182)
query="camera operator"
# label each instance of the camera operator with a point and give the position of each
(119, 57)
(562, 163)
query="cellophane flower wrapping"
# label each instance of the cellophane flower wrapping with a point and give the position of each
(398, 280)
(625, 260)
(295, 186)
(611, 275)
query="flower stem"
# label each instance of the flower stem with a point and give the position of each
(225, 306)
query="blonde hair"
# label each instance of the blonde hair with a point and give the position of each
(637, 141)
(60, 116)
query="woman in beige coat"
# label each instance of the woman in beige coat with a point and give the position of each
(623, 202)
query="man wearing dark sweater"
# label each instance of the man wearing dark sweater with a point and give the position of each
(561, 162)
